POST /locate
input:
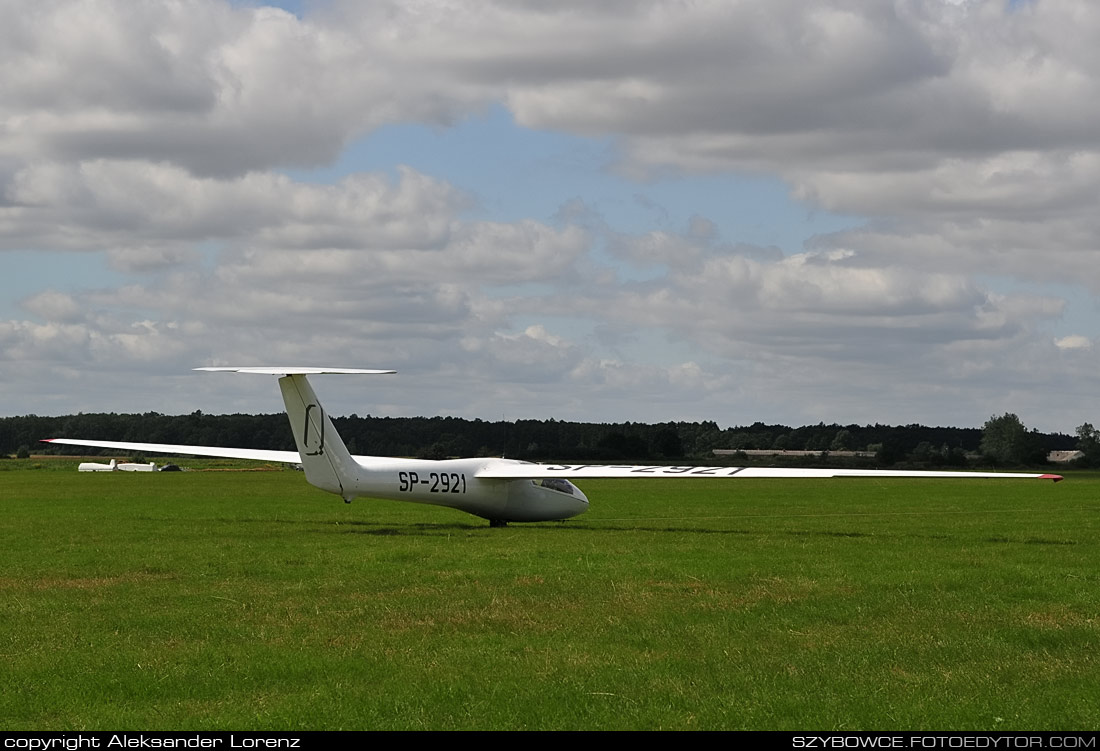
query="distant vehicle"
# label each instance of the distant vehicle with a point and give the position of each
(114, 466)
(129, 467)
(500, 490)
(170, 468)
(96, 467)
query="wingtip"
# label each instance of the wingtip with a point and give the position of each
(1056, 478)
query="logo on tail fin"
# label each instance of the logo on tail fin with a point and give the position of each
(320, 432)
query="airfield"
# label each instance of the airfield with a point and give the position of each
(250, 600)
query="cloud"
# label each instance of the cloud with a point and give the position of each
(896, 85)
(961, 138)
(219, 90)
(102, 203)
(1074, 341)
(52, 305)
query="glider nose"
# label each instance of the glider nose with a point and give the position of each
(581, 497)
(579, 500)
(549, 499)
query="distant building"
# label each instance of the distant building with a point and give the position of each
(1061, 457)
(785, 452)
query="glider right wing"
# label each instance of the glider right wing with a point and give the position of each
(520, 470)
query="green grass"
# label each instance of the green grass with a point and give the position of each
(250, 600)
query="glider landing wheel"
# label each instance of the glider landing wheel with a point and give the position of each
(497, 523)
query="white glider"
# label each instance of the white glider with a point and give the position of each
(500, 490)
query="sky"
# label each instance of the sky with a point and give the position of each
(629, 210)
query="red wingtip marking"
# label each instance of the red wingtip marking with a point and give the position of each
(1056, 478)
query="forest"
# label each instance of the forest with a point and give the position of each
(539, 440)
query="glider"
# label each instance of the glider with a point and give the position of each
(500, 490)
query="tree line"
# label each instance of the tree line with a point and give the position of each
(1003, 441)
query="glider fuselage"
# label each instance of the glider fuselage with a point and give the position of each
(455, 483)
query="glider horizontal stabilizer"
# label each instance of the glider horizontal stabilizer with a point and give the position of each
(294, 370)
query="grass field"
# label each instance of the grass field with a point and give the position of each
(213, 600)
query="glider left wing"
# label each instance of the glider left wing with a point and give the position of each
(263, 455)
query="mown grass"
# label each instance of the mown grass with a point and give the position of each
(250, 600)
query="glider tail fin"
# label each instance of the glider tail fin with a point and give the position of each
(325, 458)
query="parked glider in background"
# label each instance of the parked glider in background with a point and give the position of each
(500, 490)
